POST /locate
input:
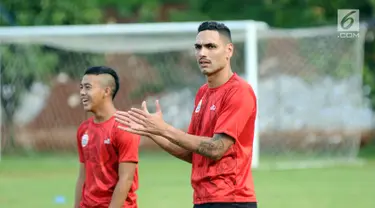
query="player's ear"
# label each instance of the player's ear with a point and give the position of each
(229, 49)
(108, 91)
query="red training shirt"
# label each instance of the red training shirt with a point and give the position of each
(101, 147)
(230, 109)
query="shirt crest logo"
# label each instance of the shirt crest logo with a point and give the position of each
(199, 106)
(85, 140)
(213, 108)
(107, 141)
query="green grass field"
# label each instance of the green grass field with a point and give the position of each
(164, 183)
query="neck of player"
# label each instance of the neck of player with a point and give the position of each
(219, 78)
(104, 112)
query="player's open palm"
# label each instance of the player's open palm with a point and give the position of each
(129, 125)
(141, 121)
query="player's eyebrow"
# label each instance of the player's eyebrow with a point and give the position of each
(197, 45)
(85, 84)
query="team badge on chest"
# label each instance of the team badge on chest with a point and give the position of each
(85, 140)
(198, 106)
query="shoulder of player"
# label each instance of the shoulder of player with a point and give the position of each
(84, 124)
(240, 86)
(238, 80)
(88, 120)
(238, 93)
(201, 92)
(202, 89)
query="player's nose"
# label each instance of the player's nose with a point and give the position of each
(202, 53)
(82, 92)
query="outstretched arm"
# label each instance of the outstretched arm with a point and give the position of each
(213, 148)
(141, 122)
(173, 149)
(170, 147)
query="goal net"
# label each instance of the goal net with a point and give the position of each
(309, 85)
(312, 107)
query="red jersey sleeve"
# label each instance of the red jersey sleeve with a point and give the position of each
(127, 145)
(238, 107)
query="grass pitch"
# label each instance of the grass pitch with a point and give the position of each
(36, 181)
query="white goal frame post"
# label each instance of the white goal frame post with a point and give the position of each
(129, 35)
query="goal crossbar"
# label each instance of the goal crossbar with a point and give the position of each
(124, 38)
(108, 29)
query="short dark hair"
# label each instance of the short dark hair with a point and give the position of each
(216, 26)
(96, 70)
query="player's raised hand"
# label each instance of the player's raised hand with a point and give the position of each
(128, 125)
(141, 121)
(153, 123)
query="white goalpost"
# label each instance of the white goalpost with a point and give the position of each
(304, 79)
